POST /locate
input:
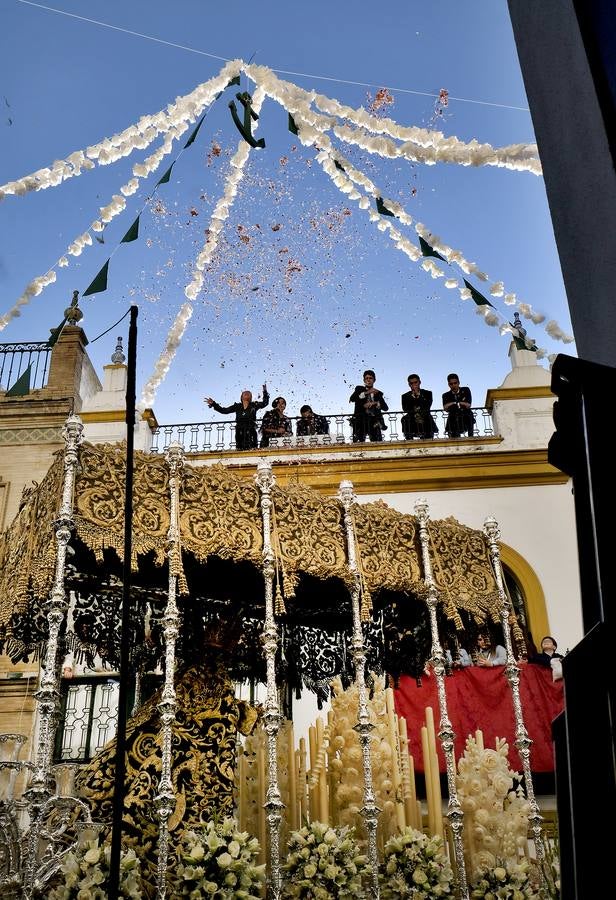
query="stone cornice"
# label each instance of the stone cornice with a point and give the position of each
(380, 474)
(532, 392)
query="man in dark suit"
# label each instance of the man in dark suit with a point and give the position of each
(416, 404)
(457, 402)
(370, 404)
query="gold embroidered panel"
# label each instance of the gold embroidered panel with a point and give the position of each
(220, 515)
(28, 546)
(99, 501)
(462, 570)
(308, 535)
(388, 550)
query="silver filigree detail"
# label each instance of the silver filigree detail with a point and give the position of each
(446, 734)
(369, 811)
(522, 741)
(272, 717)
(164, 801)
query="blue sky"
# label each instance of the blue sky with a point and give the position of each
(302, 293)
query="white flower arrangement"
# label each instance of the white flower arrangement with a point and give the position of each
(218, 862)
(510, 881)
(84, 871)
(495, 809)
(324, 862)
(416, 866)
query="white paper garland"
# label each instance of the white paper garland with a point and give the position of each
(135, 137)
(191, 291)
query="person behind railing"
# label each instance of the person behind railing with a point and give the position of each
(457, 403)
(245, 417)
(367, 419)
(310, 423)
(547, 654)
(416, 404)
(275, 424)
(488, 653)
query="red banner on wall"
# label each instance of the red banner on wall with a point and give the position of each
(479, 698)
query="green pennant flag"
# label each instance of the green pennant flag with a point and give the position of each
(381, 208)
(164, 178)
(427, 250)
(133, 232)
(194, 134)
(292, 125)
(100, 282)
(55, 334)
(523, 344)
(22, 385)
(479, 299)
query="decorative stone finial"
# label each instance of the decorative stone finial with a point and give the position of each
(117, 356)
(73, 314)
(518, 324)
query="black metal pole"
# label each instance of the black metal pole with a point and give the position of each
(120, 756)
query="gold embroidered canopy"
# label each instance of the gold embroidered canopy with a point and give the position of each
(220, 518)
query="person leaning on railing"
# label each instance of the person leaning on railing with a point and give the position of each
(310, 423)
(275, 424)
(245, 417)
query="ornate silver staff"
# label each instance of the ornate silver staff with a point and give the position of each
(522, 741)
(164, 800)
(446, 733)
(273, 802)
(370, 811)
(48, 695)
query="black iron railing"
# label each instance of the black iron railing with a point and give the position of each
(15, 359)
(219, 436)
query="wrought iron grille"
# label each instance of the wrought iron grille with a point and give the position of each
(89, 716)
(15, 359)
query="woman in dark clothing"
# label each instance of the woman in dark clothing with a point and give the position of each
(310, 423)
(245, 417)
(457, 402)
(369, 408)
(275, 423)
(416, 404)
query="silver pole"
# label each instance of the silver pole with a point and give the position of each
(370, 811)
(48, 695)
(273, 802)
(455, 815)
(164, 800)
(522, 741)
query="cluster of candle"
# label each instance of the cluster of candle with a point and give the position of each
(322, 778)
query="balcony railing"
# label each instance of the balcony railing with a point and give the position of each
(219, 436)
(15, 359)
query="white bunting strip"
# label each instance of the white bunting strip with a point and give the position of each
(298, 102)
(186, 109)
(108, 213)
(32, 289)
(191, 291)
(419, 144)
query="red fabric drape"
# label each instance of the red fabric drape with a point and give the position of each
(481, 698)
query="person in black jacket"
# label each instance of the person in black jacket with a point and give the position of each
(548, 652)
(416, 404)
(457, 402)
(245, 417)
(310, 423)
(367, 419)
(275, 424)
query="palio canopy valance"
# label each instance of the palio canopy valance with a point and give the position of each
(221, 524)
